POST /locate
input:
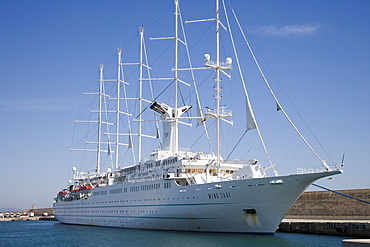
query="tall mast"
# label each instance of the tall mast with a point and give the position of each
(218, 113)
(141, 29)
(169, 115)
(101, 68)
(218, 88)
(175, 144)
(119, 51)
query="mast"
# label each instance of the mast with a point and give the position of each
(101, 68)
(219, 113)
(175, 144)
(170, 115)
(119, 51)
(141, 29)
(218, 89)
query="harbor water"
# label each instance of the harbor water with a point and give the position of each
(53, 233)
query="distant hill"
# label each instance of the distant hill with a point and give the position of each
(11, 210)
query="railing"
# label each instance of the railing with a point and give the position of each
(223, 112)
(316, 169)
(213, 64)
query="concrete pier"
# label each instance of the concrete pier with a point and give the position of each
(324, 212)
(19, 219)
(353, 228)
(28, 219)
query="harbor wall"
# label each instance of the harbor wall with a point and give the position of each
(329, 205)
(326, 227)
(28, 214)
(40, 211)
(324, 212)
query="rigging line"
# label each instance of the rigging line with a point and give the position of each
(164, 10)
(133, 72)
(358, 199)
(299, 114)
(286, 95)
(183, 101)
(79, 114)
(74, 133)
(110, 60)
(225, 147)
(155, 98)
(237, 144)
(275, 98)
(130, 40)
(245, 87)
(199, 39)
(200, 84)
(106, 125)
(193, 76)
(164, 51)
(151, 88)
(128, 118)
(210, 125)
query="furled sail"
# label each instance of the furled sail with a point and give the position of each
(251, 121)
(278, 107)
(129, 140)
(200, 117)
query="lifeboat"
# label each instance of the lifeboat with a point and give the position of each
(86, 187)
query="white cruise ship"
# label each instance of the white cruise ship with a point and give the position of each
(176, 189)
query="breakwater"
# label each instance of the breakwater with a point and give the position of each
(29, 218)
(325, 212)
(331, 206)
(327, 227)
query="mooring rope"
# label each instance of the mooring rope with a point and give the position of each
(358, 199)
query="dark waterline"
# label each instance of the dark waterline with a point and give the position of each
(51, 233)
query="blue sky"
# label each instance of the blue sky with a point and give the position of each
(50, 52)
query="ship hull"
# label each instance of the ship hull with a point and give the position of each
(239, 206)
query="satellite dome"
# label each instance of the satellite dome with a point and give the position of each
(207, 57)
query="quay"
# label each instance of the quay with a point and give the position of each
(348, 228)
(325, 212)
(29, 218)
(28, 215)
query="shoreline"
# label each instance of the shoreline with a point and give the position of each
(33, 218)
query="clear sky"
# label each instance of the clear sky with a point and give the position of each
(50, 51)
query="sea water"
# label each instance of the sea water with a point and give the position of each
(53, 233)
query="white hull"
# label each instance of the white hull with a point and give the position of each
(174, 189)
(240, 206)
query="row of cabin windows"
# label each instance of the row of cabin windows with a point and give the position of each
(167, 185)
(149, 166)
(115, 191)
(97, 193)
(210, 171)
(60, 211)
(150, 187)
(132, 189)
(219, 195)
